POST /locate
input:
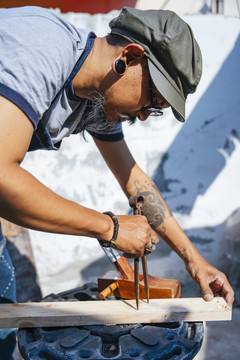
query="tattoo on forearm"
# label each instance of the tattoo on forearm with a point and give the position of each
(153, 208)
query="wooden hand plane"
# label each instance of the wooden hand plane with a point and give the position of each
(120, 282)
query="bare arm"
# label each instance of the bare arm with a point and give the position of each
(27, 202)
(135, 182)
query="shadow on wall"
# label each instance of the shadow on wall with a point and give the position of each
(227, 254)
(231, 237)
(199, 152)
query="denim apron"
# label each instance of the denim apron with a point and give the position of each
(7, 295)
(7, 276)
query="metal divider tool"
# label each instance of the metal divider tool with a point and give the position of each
(128, 284)
(136, 202)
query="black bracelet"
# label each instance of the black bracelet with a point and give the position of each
(116, 226)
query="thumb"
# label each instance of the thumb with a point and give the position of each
(206, 292)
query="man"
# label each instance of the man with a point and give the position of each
(57, 80)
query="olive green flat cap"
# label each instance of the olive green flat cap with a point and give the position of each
(173, 55)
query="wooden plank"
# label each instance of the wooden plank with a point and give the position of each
(76, 313)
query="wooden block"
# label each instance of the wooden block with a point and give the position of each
(158, 288)
(77, 313)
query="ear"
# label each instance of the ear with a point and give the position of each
(132, 54)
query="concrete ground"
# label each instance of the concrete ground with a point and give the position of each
(221, 340)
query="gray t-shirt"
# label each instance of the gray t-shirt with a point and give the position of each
(39, 51)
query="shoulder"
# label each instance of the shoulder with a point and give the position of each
(38, 52)
(40, 37)
(29, 22)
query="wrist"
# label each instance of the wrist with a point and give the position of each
(107, 228)
(189, 254)
(112, 242)
(101, 227)
(116, 227)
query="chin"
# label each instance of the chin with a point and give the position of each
(114, 119)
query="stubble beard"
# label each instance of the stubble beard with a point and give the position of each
(94, 119)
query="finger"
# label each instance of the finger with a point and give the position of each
(229, 298)
(222, 287)
(150, 248)
(154, 236)
(153, 241)
(130, 256)
(133, 253)
(206, 291)
(228, 294)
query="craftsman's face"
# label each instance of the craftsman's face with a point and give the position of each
(126, 98)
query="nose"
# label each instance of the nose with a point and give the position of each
(163, 103)
(143, 115)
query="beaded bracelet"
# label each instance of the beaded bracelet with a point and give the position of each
(116, 226)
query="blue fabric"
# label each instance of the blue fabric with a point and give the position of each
(41, 139)
(7, 345)
(20, 101)
(7, 294)
(7, 279)
(113, 136)
(2, 241)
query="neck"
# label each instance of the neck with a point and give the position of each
(89, 79)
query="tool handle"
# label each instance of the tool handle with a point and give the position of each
(124, 268)
(103, 294)
(136, 202)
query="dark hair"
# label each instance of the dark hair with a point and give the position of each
(116, 40)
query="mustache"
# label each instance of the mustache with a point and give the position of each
(94, 118)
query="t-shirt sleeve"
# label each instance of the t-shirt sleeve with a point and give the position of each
(114, 134)
(20, 101)
(38, 52)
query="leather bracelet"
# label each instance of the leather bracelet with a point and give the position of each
(116, 226)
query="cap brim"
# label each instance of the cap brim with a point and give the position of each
(168, 91)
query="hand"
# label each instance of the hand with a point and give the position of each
(134, 235)
(212, 282)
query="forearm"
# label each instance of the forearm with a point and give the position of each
(158, 214)
(135, 182)
(27, 202)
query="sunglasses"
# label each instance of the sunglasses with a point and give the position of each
(154, 110)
